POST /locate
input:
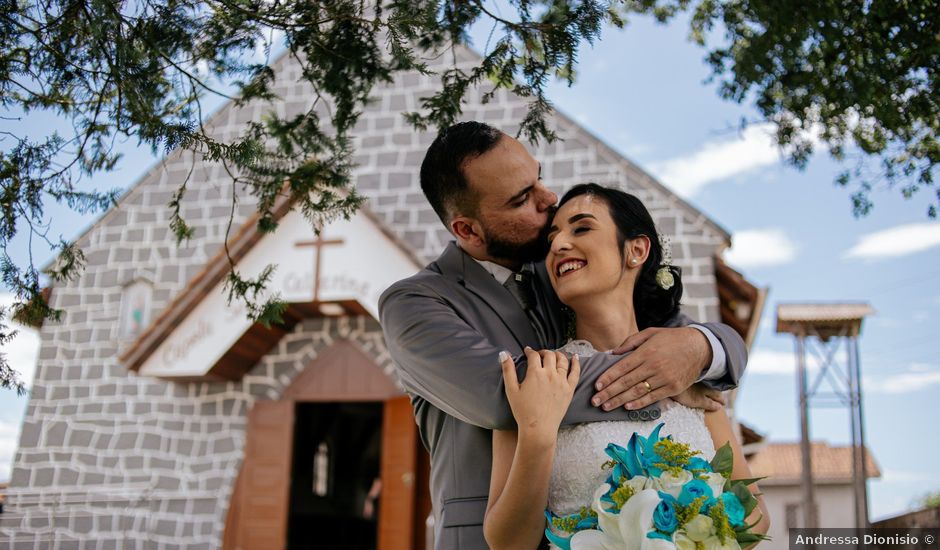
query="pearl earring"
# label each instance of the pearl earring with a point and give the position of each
(634, 261)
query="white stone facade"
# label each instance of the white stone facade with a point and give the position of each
(111, 459)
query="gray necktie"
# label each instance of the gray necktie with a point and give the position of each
(520, 286)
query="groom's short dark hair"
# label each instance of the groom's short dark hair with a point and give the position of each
(442, 178)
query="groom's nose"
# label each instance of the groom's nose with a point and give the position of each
(547, 198)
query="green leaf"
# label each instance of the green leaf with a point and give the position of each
(748, 500)
(748, 480)
(723, 463)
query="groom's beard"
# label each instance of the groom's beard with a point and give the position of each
(532, 251)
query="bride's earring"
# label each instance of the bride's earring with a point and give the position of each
(634, 261)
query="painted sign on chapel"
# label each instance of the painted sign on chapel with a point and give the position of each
(348, 264)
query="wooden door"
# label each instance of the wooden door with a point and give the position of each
(399, 468)
(260, 505)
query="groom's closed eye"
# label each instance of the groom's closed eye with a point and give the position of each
(521, 197)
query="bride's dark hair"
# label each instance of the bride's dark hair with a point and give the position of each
(653, 304)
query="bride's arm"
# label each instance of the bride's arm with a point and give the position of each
(518, 491)
(522, 461)
(720, 427)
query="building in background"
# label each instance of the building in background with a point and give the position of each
(781, 464)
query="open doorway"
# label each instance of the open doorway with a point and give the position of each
(335, 476)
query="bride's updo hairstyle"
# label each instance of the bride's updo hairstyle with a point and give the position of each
(653, 305)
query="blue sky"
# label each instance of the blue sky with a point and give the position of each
(642, 91)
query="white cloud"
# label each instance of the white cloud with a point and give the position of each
(764, 361)
(9, 439)
(896, 241)
(919, 376)
(892, 475)
(22, 351)
(760, 247)
(718, 160)
(884, 322)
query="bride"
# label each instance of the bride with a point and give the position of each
(603, 263)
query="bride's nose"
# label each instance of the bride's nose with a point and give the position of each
(560, 243)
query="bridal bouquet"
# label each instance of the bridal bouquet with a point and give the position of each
(660, 496)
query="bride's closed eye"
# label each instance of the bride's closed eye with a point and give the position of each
(575, 231)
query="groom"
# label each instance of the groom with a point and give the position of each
(488, 292)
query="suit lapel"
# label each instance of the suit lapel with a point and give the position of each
(456, 264)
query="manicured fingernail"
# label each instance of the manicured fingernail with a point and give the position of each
(575, 356)
(503, 355)
(606, 406)
(599, 386)
(631, 406)
(527, 348)
(596, 401)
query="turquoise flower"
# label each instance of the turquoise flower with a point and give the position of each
(733, 508)
(664, 516)
(647, 451)
(649, 447)
(589, 522)
(699, 463)
(634, 457)
(695, 489)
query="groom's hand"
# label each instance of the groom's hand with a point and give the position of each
(665, 362)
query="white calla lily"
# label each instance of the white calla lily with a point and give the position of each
(605, 520)
(657, 544)
(594, 540)
(636, 518)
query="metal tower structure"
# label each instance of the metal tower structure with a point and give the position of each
(820, 330)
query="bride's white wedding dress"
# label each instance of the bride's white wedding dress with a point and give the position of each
(579, 454)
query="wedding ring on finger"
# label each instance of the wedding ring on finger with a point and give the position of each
(649, 388)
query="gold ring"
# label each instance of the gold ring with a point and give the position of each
(648, 387)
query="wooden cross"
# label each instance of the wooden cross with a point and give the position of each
(318, 244)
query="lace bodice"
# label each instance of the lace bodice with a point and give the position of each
(577, 472)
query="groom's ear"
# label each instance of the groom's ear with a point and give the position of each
(467, 230)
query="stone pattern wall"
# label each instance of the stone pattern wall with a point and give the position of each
(147, 464)
(110, 459)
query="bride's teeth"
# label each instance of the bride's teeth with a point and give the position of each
(570, 266)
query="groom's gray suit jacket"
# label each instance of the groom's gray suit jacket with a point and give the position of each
(444, 328)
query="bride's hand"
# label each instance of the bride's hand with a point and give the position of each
(699, 396)
(541, 400)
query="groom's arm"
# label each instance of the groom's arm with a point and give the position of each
(445, 361)
(671, 359)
